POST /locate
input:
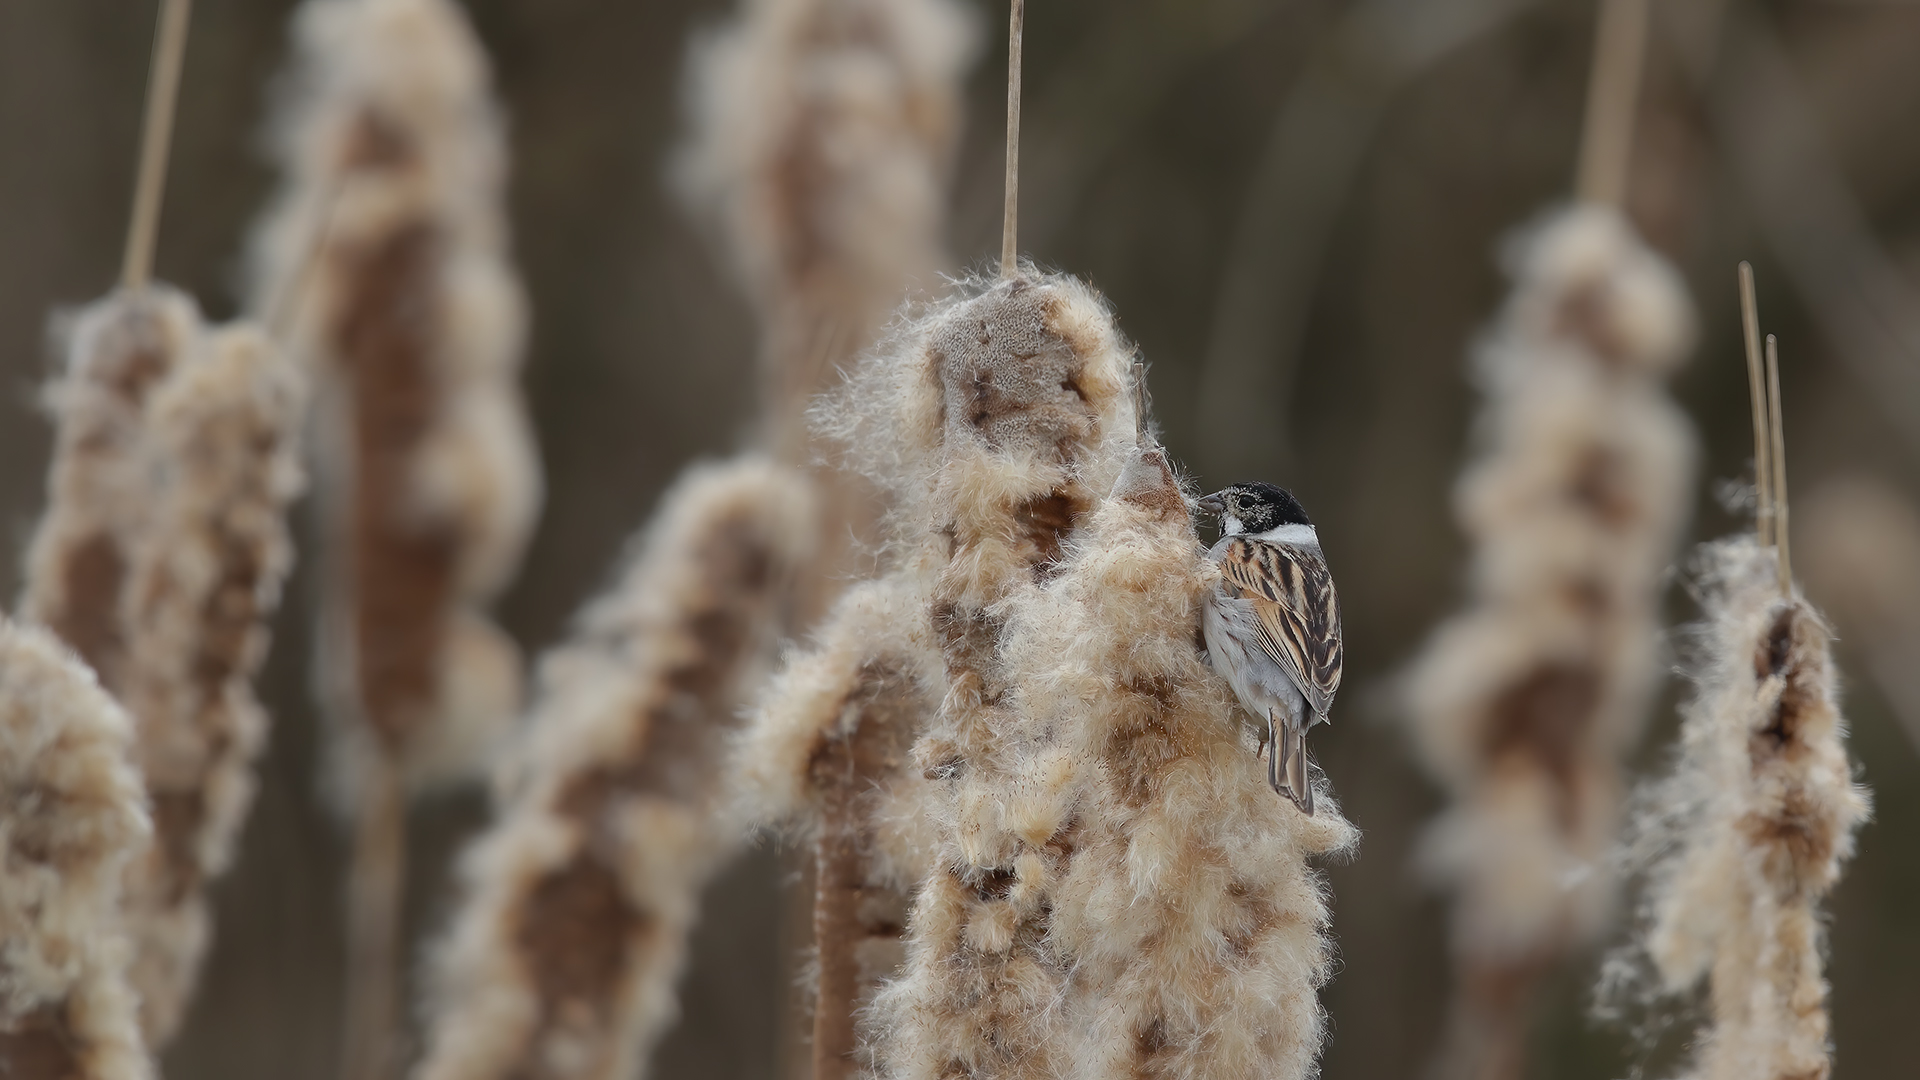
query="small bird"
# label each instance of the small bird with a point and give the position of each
(1272, 625)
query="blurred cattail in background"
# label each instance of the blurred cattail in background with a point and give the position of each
(73, 821)
(386, 259)
(117, 351)
(160, 556)
(204, 582)
(564, 959)
(1524, 705)
(821, 135)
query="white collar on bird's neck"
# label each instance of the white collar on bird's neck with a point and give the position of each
(1293, 533)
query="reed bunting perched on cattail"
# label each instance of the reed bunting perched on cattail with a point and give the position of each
(1272, 625)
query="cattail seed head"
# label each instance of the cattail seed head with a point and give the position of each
(1742, 842)
(386, 257)
(74, 817)
(203, 582)
(116, 352)
(563, 961)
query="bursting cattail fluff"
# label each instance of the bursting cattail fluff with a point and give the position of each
(70, 819)
(203, 583)
(1747, 836)
(564, 959)
(998, 420)
(387, 257)
(117, 350)
(1523, 705)
(1182, 901)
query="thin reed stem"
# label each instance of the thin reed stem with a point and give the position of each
(1756, 385)
(163, 91)
(1613, 95)
(1010, 223)
(1778, 467)
(373, 919)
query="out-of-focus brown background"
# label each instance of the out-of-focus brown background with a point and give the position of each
(1313, 188)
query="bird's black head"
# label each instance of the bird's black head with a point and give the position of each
(1258, 507)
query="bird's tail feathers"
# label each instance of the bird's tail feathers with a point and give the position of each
(1287, 764)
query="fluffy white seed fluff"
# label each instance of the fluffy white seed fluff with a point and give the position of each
(204, 580)
(116, 351)
(1747, 836)
(71, 817)
(562, 962)
(1183, 910)
(1523, 704)
(387, 259)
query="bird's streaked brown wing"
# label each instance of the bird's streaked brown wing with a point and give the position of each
(1299, 613)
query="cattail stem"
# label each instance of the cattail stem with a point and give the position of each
(163, 87)
(1757, 389)
(1613, 94)
(1010, 222)
(843, 875)
(1778, 467)
(373, 919)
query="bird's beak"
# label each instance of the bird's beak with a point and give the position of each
(1211, 504)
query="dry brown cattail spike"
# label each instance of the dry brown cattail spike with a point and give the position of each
(1757, 389)
(156, 138)
(72, 820)
(202, 585)
(412, 323)
(1745, 839)
(1524, 705)
(563, 962)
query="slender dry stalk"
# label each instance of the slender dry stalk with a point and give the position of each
(117, 351)
(413, 323)
(563, 961)
(156, 143)
(70, 819)
(1523, 705)
(1613, 94)
(1862, 543)
(1747, 836)
(203, 582)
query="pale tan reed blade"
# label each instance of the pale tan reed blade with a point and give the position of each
(1757, 388)
(163, 91)
(1010, 223)
(1613, 95)
(1779, 467)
